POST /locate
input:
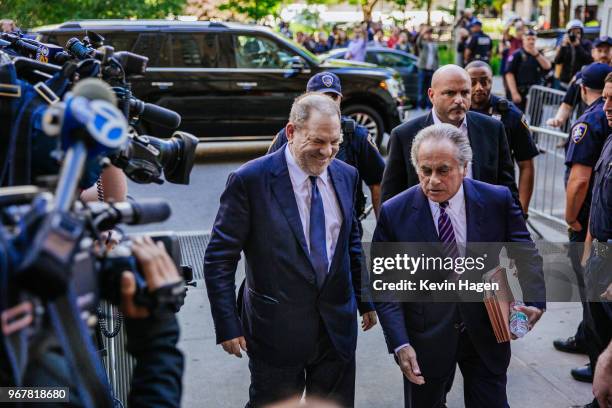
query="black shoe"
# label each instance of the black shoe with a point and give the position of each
(583, 374)
(569, 345)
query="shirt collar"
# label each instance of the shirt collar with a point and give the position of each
(296, 173)
(454, 204)
(437, 120)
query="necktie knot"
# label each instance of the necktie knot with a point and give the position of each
(313, 180)
(443, 205)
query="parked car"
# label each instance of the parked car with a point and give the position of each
(234, 81)
(403, 62)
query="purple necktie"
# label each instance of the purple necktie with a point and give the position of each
(446, 233)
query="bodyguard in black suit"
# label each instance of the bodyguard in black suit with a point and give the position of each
(292, 213)
(450, 94)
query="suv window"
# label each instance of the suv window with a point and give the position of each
(390, 59)
(197, 50)
(155, 47)
(260, 52)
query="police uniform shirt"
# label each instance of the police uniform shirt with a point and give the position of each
(520, 141)
(360, 152)
(601, 207)
(525, 67)
(572, 95)
(586, 140)
(479, 44)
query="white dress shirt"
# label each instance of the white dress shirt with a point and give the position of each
(456, 213)
(302, 189)
(463, 129)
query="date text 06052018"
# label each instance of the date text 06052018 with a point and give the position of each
(34, 394)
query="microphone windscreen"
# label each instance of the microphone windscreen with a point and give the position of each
(93, 88)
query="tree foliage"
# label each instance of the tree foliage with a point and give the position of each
(32, 13)
(255, 9)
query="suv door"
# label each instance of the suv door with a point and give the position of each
(185, 74)
(262, 84)
(403, 64)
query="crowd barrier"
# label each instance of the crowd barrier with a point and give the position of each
(548, 198)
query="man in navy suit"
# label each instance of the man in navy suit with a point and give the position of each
(450, 94)
(428, 339)
(292, 214)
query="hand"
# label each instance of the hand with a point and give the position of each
(158, 270)
(533, 314)
(233, 346)
(407, 360)
(554, 122)
(602, 379)
(368, 320)
(565, 40)
(575, 225)
(516, 98)
(607, 295)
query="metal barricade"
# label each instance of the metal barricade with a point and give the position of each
(118, 363)
(548, 198)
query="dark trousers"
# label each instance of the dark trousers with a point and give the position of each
(424, 79)
(325, 375)
(585, 335)
(481, 387)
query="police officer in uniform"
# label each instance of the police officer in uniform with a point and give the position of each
(601, 52)
(520, 141)
(479, 45)
(525, 67)
(357, 148)
(598, 279)
(587, 137)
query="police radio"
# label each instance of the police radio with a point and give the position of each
(348, 126)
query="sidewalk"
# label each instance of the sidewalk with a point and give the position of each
(538, 375)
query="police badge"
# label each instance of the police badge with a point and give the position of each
(578, 132)
(328, 80)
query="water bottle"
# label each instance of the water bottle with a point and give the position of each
(518, 320)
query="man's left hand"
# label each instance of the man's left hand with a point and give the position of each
(607, 295)
(533, 314)
(368, 320)
(602, 379)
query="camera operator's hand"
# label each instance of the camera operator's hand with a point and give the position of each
(158, 270)
(566, 40)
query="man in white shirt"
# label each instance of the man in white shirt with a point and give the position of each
(451, 210)
(292, 214)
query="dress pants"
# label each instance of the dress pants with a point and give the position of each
(324, 375)
(481, 387)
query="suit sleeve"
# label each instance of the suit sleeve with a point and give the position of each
(528, 261)
(394, 179)
(390, 314)
(222, 255)
(505, 171)
(359, 279)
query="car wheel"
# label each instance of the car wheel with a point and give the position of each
(369, 118)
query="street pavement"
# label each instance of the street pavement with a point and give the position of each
(538, 375)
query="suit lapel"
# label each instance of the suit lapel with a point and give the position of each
(345, 199)
(423, 218)
(283, 192)
(473, 130)
(473, 211)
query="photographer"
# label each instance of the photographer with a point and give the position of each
(151, 340)
(573, 53)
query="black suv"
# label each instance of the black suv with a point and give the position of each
(234, 81)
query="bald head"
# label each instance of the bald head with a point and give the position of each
(450, 93)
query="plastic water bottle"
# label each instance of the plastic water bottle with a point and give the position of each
(518, 320)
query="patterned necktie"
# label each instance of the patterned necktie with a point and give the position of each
(318, 246)
(446, 233)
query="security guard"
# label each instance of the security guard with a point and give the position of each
(357, 148)
(525, 67)
(479, 45)
(587, 137)
(520, 141)
(598, 278)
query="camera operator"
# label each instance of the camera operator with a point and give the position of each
(151, 340)
(573, 53)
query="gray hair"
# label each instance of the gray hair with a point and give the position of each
(442, 132)
(304, 105)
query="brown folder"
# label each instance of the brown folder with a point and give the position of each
(497, 303)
